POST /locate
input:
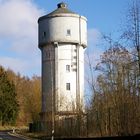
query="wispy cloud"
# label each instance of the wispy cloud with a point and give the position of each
(94, 36)
(92, 57)
(94, 50)
(16, 64)
(18, 35)
(18, 18)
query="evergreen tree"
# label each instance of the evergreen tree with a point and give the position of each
(8, 102)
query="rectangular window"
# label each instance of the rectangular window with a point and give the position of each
(68, 32)
(67, 86)
(67, 68)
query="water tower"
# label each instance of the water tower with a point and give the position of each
(62, 41)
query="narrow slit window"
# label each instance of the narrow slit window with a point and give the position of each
(44, 34)
(68, 32)
(67, 86)
(67, 68)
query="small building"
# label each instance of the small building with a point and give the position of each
(62, 41)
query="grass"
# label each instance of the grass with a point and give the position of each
(17, 128)
(25, 132)
(2, 128)
(36, 135)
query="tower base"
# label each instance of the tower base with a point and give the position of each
(46, 122)
(64, 125)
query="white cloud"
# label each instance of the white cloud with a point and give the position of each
(94, 36)
(94, 50)
(17, 65)
(18, 35)
(92, 56)
(18, 18)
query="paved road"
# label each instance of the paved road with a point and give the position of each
(5, 136)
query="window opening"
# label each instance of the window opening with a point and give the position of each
(69, 32)
(44, 34)
(67, 86)
(67, 68)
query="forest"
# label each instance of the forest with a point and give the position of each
(20, 98)
(115, 106)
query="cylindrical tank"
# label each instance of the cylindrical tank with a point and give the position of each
(62, 25)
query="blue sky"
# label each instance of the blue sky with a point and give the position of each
(102, 14)
(18, 28)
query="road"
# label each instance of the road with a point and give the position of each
(5, 136)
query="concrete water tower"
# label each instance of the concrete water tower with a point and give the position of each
(62, 41)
